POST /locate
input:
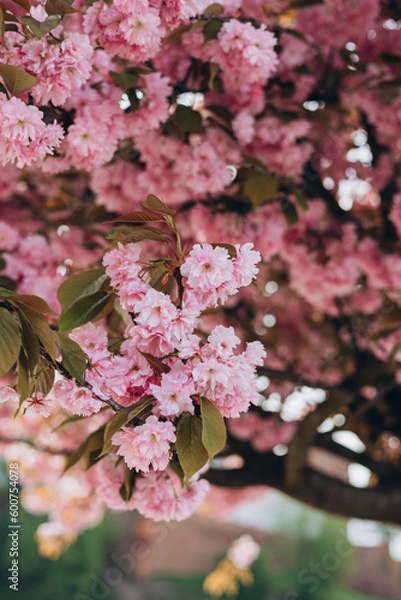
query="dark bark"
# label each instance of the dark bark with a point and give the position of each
(382, 503)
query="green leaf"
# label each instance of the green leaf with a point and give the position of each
(176, 468)
(42, 329)
(176, 35)
(214, 433)
(71, 419)
(187, 120)
(44, 377)
(16, 79)
(40, 28)
(138, 216)
(89, 450)
(211, 29)
(154, 203)
(5, 292)
(222, 112)
(192, 454)
(59, 7)
(140, 233)
(83, 311)
(214, 9)
(30, 342)
(161, 279)
(23, 386)
(34, 302)
(157, 365)
(301, 199)
(260, 188)
(124, 79)
(10, 340)
(82, 284)
(141, 409)
(290, 213)
(214, 70)
(73, 358)
(128, 486)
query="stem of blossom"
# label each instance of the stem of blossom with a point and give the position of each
(55, 38)
(111, 403)
(173, 226)
(178, 278)
(63, 371)
(213, 17)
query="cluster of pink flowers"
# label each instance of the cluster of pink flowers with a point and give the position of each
(39, 265)
(342, 18)
(161, 328)
(103, 123)
(245, 54)
(93, 138)
(160, 496)
(195, 168)
(59, 68)
(131, 30)
(134, 30)
(24, 137)
(281, 146)
(193, 369)
(212, 276)
(75, 399)
(157, 495)
(146, 445)
(154, 106)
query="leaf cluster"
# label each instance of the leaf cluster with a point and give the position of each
(28, 342)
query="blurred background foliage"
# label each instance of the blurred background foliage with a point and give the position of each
(288, 568)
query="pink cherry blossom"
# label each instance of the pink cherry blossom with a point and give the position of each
(174, 393)
(36, 405)
(75, 399)
(7, 393)
(146, 445)
(60, 68)
(24, 137)
(245, 269)
(221, 342)
(160, 496)
(109, 476)
(207, 269)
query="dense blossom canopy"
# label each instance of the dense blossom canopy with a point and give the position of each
(253, 150)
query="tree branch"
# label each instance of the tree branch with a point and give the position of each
(296, 457)
(381, 503)
(384, 470)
